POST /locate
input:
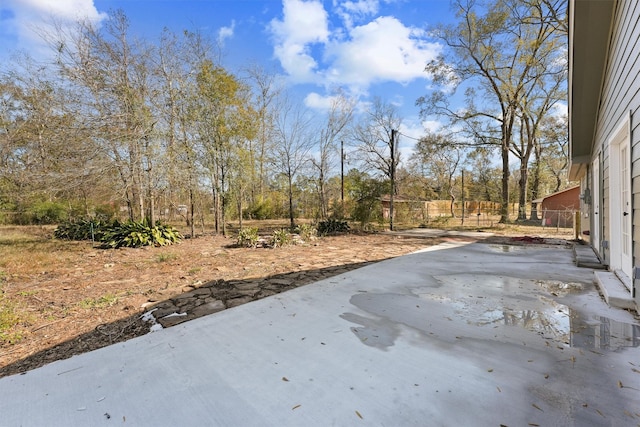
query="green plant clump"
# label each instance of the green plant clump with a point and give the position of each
(81, 229)
(247, 237)
(307, 232)
(332, 226)
(132, 234)
(281, 238)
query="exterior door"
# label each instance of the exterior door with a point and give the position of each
(620, 203)
(625, 207)
(595, 204)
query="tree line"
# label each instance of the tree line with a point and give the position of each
(161, 129)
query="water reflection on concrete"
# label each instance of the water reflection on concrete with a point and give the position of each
(568, 326)
(386, 315)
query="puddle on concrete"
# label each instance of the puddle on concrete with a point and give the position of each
(562, 324)
(558, 288)
(388, 314)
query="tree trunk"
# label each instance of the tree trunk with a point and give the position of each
(291, 220)
(522, 199)
(453, 203)
(535, 187)
(191, 213)
(504, 203)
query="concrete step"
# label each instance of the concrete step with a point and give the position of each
(586, 257)
(614, 291)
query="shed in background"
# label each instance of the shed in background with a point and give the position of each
(558, 209)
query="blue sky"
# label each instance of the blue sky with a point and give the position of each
(367, 47)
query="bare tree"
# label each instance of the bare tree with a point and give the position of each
(441, 158)
(292, 145)
(495, 53)
(111, 77)
(339, 117)
(377, 141)
(265, 93)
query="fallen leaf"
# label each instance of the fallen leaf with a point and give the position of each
(489, 370)
(620, 384)
(285, 379)
(359, 416)
(537, 407)
(601, 414)
(295, 407)
(499, 391)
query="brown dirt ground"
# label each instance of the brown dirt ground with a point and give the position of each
(89, 297)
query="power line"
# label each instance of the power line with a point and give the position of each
(407, 136)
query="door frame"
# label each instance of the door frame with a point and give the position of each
(596, 208)
(620, 224)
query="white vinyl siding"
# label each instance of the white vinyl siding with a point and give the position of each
(621, 97)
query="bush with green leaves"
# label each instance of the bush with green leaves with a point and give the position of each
(116, 234)
(260, 210)
(247, 237)
(134, 234)
(332, 226)
(47, 212)
(307, 232)
(81, 229)
(281, 238)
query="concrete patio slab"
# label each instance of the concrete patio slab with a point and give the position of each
(455, 335)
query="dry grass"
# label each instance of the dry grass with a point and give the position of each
(51, 290)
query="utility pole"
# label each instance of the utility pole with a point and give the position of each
(462, 223)
(393, 176)
(342, 174)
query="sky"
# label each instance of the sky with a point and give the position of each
(369, 48)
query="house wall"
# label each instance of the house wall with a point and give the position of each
(620, 99)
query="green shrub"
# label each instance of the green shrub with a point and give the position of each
(47, 212)
(134, 234)
(260, 210)
(307, 232)
(81, 229)
(118, 234)
(247, 237)
(332, 226)
(281, 238)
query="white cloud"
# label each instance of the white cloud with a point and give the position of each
(226, 32)
(353, 11)
(319, 102)
(25, 20)
(561, 109)
(304, 23)
(353, 57)
(382, 50)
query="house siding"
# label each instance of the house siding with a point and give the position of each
(621, 97)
